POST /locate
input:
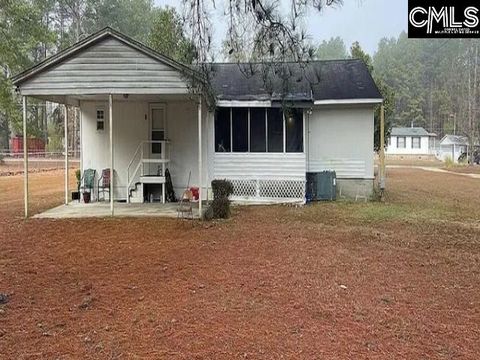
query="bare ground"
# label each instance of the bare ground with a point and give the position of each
(333, 280)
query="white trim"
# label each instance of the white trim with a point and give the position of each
(65, 108)
(151, 107)
(25, 156)
(248, 129)
(200, 170)
(348, 101)
(266, 131)
(231, 130)
(110, 125)
(241, 103)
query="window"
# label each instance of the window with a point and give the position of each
(275, 130)
(294, 130)
(415, 142)
(258, 130)
(158, 129)
(100, 119)
(222, 130)
(258, 138)
(401, 142)
(240, 129)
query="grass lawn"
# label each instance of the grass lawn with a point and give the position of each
(394, 280)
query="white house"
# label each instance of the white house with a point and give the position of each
(452, 146)
(410, 141)
(140, 114)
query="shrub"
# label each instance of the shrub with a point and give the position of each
(220, 206)
(208, 214)
(222, 189)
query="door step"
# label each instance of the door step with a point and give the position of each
(152, 179)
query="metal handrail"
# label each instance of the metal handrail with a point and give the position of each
(140, 162)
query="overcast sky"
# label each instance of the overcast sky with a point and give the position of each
(366, 21)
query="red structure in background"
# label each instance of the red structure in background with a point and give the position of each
(35, 146)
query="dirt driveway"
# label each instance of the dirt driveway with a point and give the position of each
(330, 281)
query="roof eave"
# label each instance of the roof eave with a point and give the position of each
(18, 79)
(372, 101)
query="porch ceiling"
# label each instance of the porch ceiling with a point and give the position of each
(75, 100)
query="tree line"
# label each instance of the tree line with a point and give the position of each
(34, 30)
(429, 83)
(432, 83)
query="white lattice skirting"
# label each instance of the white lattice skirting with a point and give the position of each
(260, 190)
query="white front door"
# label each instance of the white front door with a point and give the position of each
(157, 131)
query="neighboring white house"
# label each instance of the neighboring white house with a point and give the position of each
(261, 139)
(452, 146)
(410, 141)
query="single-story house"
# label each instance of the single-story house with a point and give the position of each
(140, 115)
(410, 141)
(452, 146)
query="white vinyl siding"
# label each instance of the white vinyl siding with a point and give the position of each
(109, 66)
(341, 139)
(413, 145)
(264, 166)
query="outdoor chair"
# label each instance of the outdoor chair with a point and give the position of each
(185, 207)
(103, 184)
(87, 182)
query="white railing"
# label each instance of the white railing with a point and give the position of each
(136, 166)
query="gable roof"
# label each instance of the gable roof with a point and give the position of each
(309, 81)
(323, 82)
(92, 40)
(410, 131)
(454, 139)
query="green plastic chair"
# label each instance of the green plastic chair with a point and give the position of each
(88, 181)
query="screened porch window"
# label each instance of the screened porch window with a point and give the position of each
(294, 130)
(258, 126)
(275, 130)
(240, 130)
(415, 142)
(222, 130)
(258, 130)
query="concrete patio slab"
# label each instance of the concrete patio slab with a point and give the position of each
(101, 209)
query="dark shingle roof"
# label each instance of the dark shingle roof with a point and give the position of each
(410, 131)
(316, 80)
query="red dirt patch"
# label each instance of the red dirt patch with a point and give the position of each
(323, 281)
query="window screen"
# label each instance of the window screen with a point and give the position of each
(415, 142)
(240, 129)
(275, 130)
(222, 130)
(294, 130)
(258, 135)
(100, 119)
